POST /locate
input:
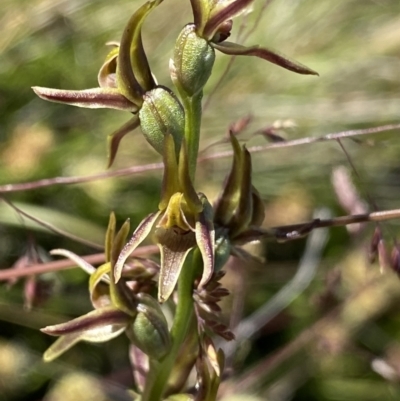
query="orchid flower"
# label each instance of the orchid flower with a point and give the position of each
(117, 309)
(126, 83)
(183, 221)
(238, 209)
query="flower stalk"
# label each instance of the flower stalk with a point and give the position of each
(195, 239)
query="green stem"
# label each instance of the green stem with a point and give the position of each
(159, 372)
(192, 107)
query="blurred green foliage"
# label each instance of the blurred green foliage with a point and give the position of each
(353, 44)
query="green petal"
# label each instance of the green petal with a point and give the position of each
(100, 294)
(141, 232)
(274, 57)
(92, 321)
(205, 238)
(201, 11)
(229, 198)
(258, 209)
(107, 73)
(174, 245)
(96, 98)
(133, 71)
(110, 234)
(170, 183)
(244, 211)
(186, 185)
(61, 345)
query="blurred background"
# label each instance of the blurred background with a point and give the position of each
(333, 332)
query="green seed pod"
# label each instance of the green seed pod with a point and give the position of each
(149, 331)
(161, 113)
(193, 60)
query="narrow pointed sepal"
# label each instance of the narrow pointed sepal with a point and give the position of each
(61, 345)
(133, 72)
(107, 74)
(244, 212)
(174, 246)
(170, 184)
(99, 320)
(230, 196)
(96, 98)
(205, 239)
(272, 56)
(141, 232)
(114, 139)
(67, 341)
(87, 267)
(191, 197)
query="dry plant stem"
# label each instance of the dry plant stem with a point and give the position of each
(306, 271)
(158, 166)
(293, 231)
(7, 274)
(345, 320)
(159, 373)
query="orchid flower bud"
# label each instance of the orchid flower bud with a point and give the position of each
(149, 331)
(193, 61)
(162, 114)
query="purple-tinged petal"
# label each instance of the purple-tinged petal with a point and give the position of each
(170, 184)
(96, 319)
(274, 57)
(87, 267)
(96, 98)
(174, 246)
(205, 238)
(65, 342)
(223, 14)
(141, 232)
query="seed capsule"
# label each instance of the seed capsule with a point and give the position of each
(193, 60)
(161, 113)
(149, 331)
